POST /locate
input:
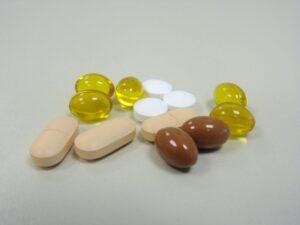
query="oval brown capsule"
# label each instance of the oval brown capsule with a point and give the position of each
(176, 147)
(207, 132)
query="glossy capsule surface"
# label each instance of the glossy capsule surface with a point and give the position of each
(239, 119)
(207, 132)
(176, 147)
(90, 105)
(230, 92)
(128, 91)
(95, 82)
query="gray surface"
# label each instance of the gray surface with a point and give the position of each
(194, 45)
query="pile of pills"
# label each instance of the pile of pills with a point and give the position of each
(231, 108)
(166, 117)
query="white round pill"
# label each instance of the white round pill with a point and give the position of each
(156, 88)
(179, 99)
(149, 107)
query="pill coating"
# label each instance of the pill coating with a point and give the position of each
(179, 99)
(230, 92)
(54, 142)
(173, 118)
(90, 105)
(128, 91)
(156, 88)
(207, 132)
(104, 139)
(149, 107)
(176, 147)
(238, 118)
(95, 82)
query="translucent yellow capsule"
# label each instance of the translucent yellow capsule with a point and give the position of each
(95, 82)
(128, 91)
(230, 92)
(239, 119)
(90, 105)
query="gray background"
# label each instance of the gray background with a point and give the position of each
(45, 46)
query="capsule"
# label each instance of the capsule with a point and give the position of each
(230, 92)
(176, 147)
(90, 105)
(239, 119)
(207, 132)
(95, 82)
(128, 91)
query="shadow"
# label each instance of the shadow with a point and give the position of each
(241, 138)
(119, 108)
(210, 104)
(208, 150)
(182, 170)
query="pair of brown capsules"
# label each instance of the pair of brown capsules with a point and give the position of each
(180, 134)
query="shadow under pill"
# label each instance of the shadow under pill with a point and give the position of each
(117, 106)
(210, 150)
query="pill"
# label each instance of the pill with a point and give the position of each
(105, 138)
(179, 99)
(95, 82)
(90, 105)
(173, 118)
(176, 147)
(239, 120)
(149, 107)
(128, 91)
(156, 88)
(230, 92)
(54, 142)
(207, 132)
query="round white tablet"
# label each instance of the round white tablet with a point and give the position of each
(156, 88)
(149, 107)
(179, 99)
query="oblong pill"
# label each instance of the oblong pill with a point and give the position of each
(173, 118)
(105, 138)
(54, 142)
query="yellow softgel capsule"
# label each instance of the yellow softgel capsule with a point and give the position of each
(128, 91)
(230, 92)
(90, 105)
(238, 118)
(95, 82)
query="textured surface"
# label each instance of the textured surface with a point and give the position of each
(195, 46)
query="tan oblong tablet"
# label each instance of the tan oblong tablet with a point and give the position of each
(173, 118)
(105, 138)
(54, 142)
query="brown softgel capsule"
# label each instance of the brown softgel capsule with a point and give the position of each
(176, 147)
(207, 132)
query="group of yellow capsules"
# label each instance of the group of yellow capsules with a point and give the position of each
(180, 129)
